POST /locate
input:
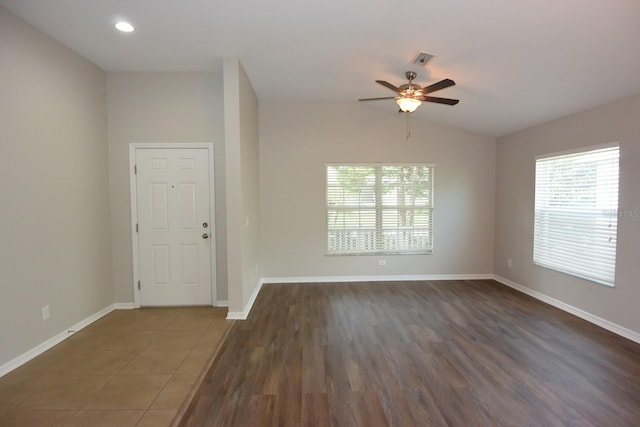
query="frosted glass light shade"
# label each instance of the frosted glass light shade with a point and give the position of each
(408, 105)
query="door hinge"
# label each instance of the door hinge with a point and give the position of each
(136, 227)
(135, 169)
(138, 284)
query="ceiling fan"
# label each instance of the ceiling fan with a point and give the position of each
(411, 95)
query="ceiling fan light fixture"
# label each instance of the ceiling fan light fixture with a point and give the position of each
(408, 105)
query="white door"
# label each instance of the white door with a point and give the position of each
(174, 226)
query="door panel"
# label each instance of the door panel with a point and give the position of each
(173, 202)
(187, 206)
(160, 265)
(159, 207)
(189, 265)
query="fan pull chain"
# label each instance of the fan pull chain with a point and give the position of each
(408, 125)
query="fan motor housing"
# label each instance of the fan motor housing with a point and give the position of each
(409, 87)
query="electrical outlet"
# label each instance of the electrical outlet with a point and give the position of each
(45, 312)
(509, 263)
(382, 263)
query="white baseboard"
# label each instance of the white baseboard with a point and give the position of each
(242, 315)
(46, 345)
(592, 318)
(124, 306)
(389, 278)
(131, 305)
(236, 315)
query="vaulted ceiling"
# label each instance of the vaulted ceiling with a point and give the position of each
(516, 63)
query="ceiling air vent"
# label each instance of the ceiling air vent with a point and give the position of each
(422, 58)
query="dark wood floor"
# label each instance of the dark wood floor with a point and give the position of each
(467, 353)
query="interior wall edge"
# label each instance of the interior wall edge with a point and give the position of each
(242, 315)
(381, 278)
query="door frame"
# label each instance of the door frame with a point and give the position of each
(134, 210)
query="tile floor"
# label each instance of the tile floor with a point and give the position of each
(130, 368)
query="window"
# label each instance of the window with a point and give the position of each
(576, 213)
(379, 209)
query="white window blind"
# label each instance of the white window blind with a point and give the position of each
(576, 213)
(374, 209)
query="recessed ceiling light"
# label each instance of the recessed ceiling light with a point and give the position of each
(124, 27)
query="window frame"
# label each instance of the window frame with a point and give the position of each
(576, 151)
(379, 207)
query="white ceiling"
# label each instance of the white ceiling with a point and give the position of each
(516, 62)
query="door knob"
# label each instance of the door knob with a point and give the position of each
(205, 236)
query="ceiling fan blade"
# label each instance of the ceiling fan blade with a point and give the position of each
(447, 101)
(377, 99)
(389, 85)
(442, 84)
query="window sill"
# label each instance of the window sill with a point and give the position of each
(378, 253)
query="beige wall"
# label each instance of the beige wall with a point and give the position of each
(241, 132)
(297, 138)
(161, 108)
(54, 204)
(618, 121)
